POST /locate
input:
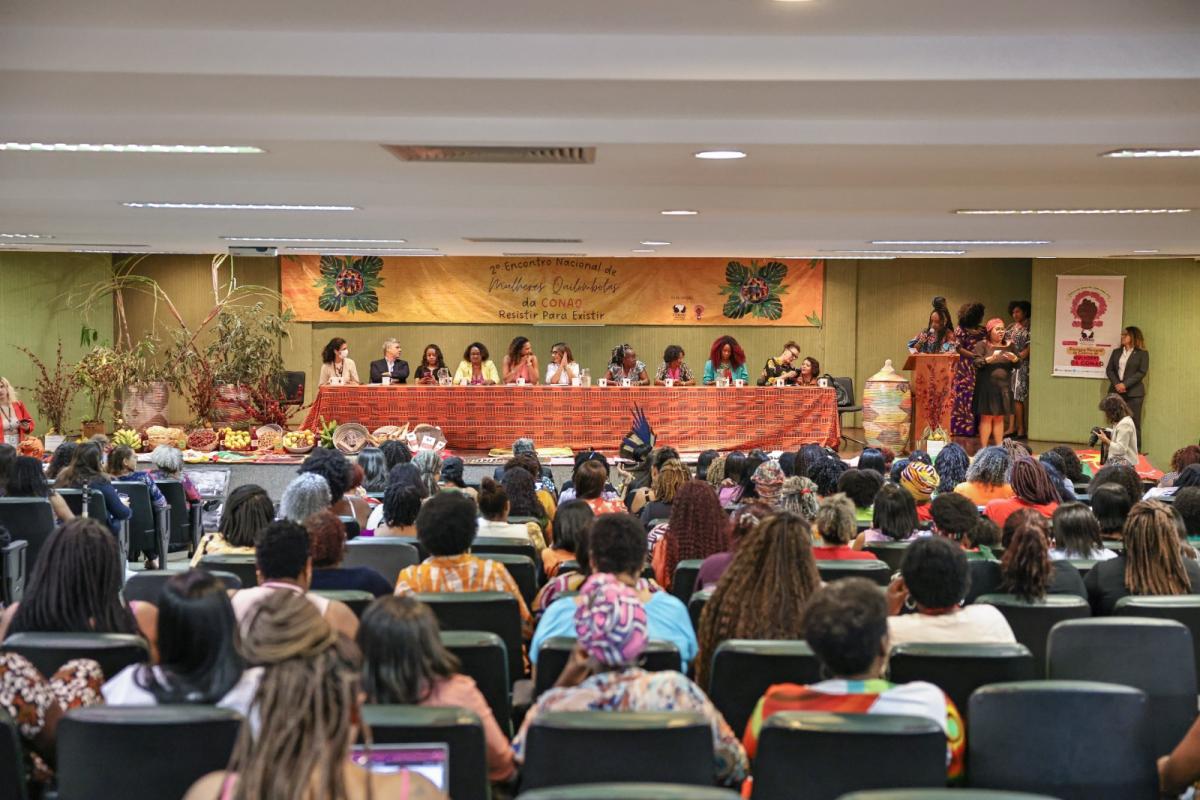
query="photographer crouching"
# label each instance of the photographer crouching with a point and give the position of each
(1119, 441)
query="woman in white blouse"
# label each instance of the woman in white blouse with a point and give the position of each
(562, 369)
(1123, 443)
(336, 363)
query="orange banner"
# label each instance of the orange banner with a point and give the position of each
(555, 290)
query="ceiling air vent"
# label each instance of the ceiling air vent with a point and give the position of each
(492, 155)
(517, 240)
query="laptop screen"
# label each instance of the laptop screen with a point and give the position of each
(430, 760)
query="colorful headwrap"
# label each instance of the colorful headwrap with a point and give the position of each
(993, 322)
(610, 621)
(768, 479)
(920, 479)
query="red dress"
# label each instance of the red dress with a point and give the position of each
(20, 412)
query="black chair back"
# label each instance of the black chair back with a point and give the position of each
(355, 599)
(683, 583)
(960, 669)
(422, 553)
(174, 745)
(353, 529)
(13, 570)
(570, 565)
(456, 727)
(743, 670)
(630, 791)
(554, 653)
(292, 387)
(1031, 622)
(1154, 655)
(12, 759)
(985, 578)
(696, 607)
(1073, 740)
(29, 519)
(823, 753)
(890, 553)
(671, 747)
(146, 586)
(182, 535)
(494, 612)
(385, 555)
(49, 651)
(1184, 608)
(96, 508)
(846, 384)
(242, 566)
(523, 571)
(143, 530)
(488, 545)
(877, 571)
(484, 658)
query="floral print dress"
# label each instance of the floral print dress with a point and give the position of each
(962, 419)
(1019, 336)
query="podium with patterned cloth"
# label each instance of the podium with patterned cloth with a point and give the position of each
(932, 393)
(691, 418)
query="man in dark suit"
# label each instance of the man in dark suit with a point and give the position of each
(391, 364)
(1127, 368)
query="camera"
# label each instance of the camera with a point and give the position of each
(1094, 439)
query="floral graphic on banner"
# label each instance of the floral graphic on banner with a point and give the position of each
(1087, 323)
(754, 290)
(350, 283)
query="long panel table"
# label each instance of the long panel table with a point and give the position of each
(691, 418)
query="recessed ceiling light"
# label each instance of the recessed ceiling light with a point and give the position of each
(720, 155)
(25, 236)
(169, 149)
(679, 212)
(906, 252)
(1154, 152)
(652, 243)
(241, 206)
(645, 250)
(1145, 251)
(1026, 211)
(963, 241)
(306, 239)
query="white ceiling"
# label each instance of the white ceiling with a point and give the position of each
(864, 119)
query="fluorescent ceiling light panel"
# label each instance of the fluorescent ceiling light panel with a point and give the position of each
(1154, 152)
(645, 250)
(906, 252)
(652, 243)
(25, 236)
(1143, 252)
(241, 206)
(1029, 211)
(308, 239)
(679, 212)
(167, 149)
(963, 241)
(720, 155)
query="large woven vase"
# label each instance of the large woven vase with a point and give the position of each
(228, 409)
(887, 409)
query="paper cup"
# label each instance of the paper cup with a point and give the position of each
(668, 382)
(739, 383)
(602, 382)
(385, 380)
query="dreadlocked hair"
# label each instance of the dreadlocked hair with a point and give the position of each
(306, 702)
(671, 476)
(76, 584)
(1153, 562)
(618, 353)
(1026, 570)
(716, 470)
(763, 593)
(1031, 483)
(698, 527)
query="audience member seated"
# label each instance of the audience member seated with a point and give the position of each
(732, 483)
(846, 625)
(715, 474)
(1150, 564)
(247, 510)
(395, 453)
(405, 663)
(1180, 771)
(1187, 504)
(572, 519)
(765, 590)
(618, 548)
(1026, 569)
(837, 528)
(26, 479)
(808, 455)
(452, 477)
(768, 482)
(522, 498)
(122, 466)
(402, 500)
(337, 472)
(920, 480)
(307, 716)
(698, 528)
(894, 518)
(60, 459)
(743, 519)
(1181, 459)
(1031, 489)
(667, 480)
(873, 458)
(305, 495)
(327, 543)
(168, 466)
(199, 662)
(75, 587)
(568, 489)
(446, 527)
(639, 489)
(374, 467)
(84, 472)
(612, 626)
(1111, 505)
(591, 482)
(958, 519)
(987, 477)
(933, 582)
(826, 473)
(284, 564)
(1057, 470)
(1077, 534)
(705, 459)
(799, 496)
(494, 507)
(1123, 474)
(951, 464)
(861, 485)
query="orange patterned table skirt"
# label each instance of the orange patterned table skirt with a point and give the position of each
(687, 418)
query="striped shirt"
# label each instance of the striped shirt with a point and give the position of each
(463, 573)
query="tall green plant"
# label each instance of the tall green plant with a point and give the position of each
(52, 390)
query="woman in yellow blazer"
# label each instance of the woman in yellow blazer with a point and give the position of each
(476, 369)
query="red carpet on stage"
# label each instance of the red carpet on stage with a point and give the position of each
(1146, 470)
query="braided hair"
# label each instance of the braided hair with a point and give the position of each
(1153, 561)
(618, 353)
(698, 527)
(1031, 483)
(1026, 570)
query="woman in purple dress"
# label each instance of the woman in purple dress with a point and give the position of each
(969, 333)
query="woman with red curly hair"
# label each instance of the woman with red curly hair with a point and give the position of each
(327, 546)
(698, 528)
(726, 359)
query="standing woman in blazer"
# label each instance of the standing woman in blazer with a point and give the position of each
(1127, 370)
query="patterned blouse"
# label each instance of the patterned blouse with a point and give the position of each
(463, 573)
(772, 371)
(634, 689)
(924, 342)
(156, 495)
(571, 581)
(617, 371)
(682, 373)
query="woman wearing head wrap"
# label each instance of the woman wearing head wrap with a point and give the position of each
(768, 481)
(921, 481)
(995, 359)
(603, 673)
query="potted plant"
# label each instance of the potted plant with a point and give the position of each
(146, 383)
(53, 392)
(246, 361)
(98, 373)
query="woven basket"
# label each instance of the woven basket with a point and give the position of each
(351, 437)
(274, 436)
(421, 431)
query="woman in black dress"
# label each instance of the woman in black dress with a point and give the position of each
(995, 358)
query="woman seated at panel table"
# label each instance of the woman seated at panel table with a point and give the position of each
(562, 369)
(520, 364)
(779, 369)
(624, 364)
(336, 363)
(674, 367)
(726, 359)
(432, 361)
(476, 368)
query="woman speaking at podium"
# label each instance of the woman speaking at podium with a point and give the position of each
(938, 337)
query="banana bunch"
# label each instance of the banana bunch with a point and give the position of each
(127, 437)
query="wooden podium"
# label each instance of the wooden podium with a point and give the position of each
(932, 393)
